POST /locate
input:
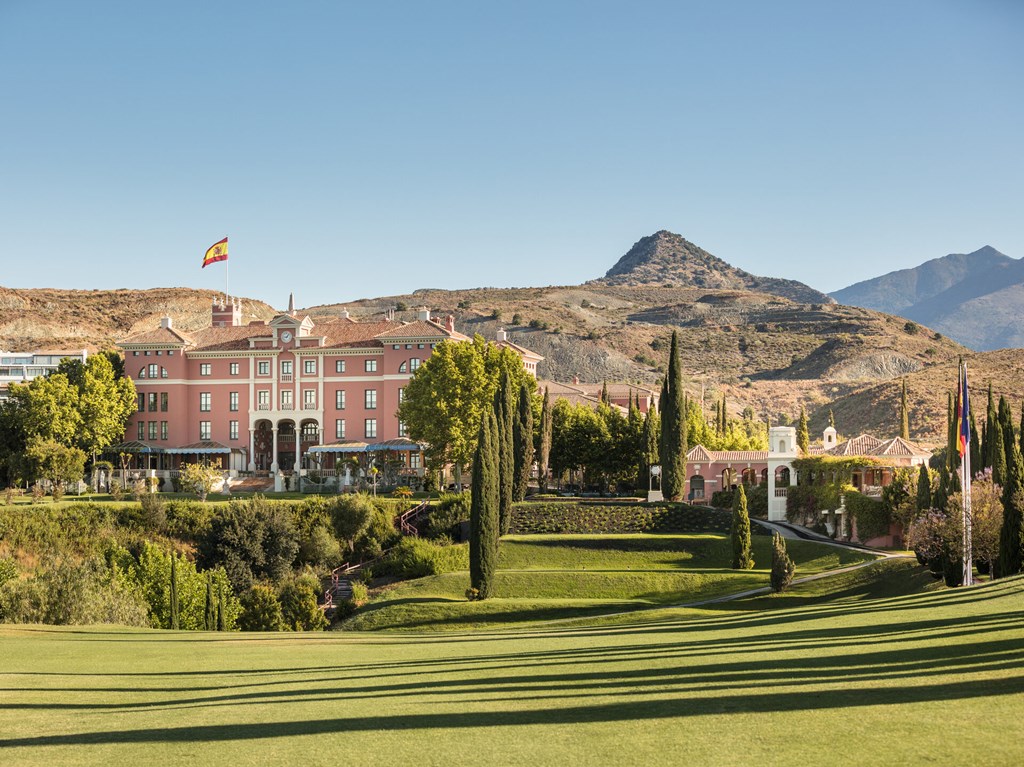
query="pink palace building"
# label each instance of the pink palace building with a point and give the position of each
(279, 396)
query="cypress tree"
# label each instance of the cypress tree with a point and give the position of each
(940, 500)
(998, 453)
(504, 410)
(673, 427)
(924, 489)
(1020, 431)
(783, 567)
(988, 446)
(803, 437)
(904, 413)
(951, 436)
(742, 556)
(1011, 535)
(975, 448)
(222, 611)
(523, 435)
(544, 449)
(485, 498)
(175, 604)
(831, 418)
(210, 622)
(604, 393)
(649, 448)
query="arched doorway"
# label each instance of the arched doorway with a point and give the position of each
(286, 445)
(749, 477)
(263, 445)
(696, 488)
(782, 476)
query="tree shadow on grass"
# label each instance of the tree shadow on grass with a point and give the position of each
(633, 710)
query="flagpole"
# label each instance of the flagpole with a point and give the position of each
(965, 482)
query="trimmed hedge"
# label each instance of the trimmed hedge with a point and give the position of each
(587, 518)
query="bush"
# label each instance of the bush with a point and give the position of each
(910, 328)
(360, 593)
(872, 517)
(153, 512)
(252, 540)
(451, 510)
(418, 558)
(597, 517)
(188, 520)
(299, 608)
(8, 570)
(261, 610)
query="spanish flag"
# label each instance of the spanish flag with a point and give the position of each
(217, 252)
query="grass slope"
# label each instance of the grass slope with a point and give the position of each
(908, 679)
(547, 577)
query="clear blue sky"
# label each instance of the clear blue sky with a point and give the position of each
(355, 149)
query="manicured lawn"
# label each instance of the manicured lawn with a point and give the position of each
(548, 577)
(849, 677)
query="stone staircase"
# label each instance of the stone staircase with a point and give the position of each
(253, 485)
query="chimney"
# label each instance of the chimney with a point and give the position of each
(166, 323)
(501, 335)
(344, 314)
(423, 314)
(291, 304)
(449, 323)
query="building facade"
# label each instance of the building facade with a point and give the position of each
(22, 367)
(288, 394)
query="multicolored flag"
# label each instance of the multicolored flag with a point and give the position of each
(963, 414)
(216, 252)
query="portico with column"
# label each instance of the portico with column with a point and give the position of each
(782, 451)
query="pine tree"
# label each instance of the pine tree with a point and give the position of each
(175, 604)
(504, 410)
(742, 556)
(924, 489)
(1011, 535)
(803, 437)
(544, 449)
(523, 436)
(673, 428)
(904, 413)
(210, 623)
(783, 567)
(484, 508)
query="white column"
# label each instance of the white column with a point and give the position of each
(252, 449)
(273, 465)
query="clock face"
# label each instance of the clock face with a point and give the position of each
(286, 336)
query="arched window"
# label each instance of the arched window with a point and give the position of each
(310, 431)
(749, 477)
(142, 372)
(696, 487)
(782, 476)
(403, 367)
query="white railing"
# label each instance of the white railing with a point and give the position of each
(263, 406)
(286, 377)
(309, 406)
(781, 492)
(287, 406)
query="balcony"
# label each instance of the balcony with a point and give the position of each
(286, 377)
(309, 406)
(263, 406)
(781, 492)
(287, 406)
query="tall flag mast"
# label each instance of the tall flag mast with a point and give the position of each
(963, 446)
(218, 252)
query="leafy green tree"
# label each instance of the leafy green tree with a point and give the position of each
(951, 434)
(742, 556)
(46, 408)
(544, 449)
(505, 414)
(252, 540)
(261, 610)
(299, 608)
(783, 567)
(350, 516)
(447, 396)
(899, 497)
(200, 478)
(673, 427)
(803, 437)
(523, 438)
(483, 515)
(106, 401)
(51, 461)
